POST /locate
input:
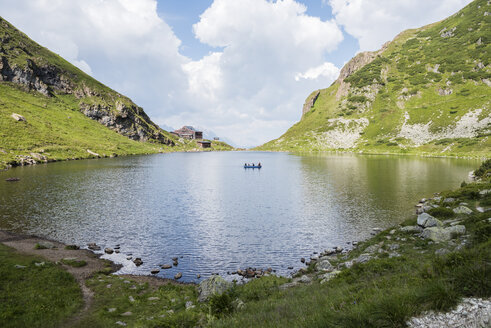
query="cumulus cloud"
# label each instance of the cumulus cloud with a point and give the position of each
(373, 22)
(326, 70)
(254, 81)
(269, 55)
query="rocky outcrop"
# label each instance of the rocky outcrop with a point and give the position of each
(44, 79)
(310, 102)
(27, 64)
(130, 121)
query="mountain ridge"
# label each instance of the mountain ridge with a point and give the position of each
(424, 92)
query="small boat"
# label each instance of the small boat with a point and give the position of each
(252, 166)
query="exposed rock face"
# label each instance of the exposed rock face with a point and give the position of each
(310, 102)
(357, 62)
(39, 78)
(24, 63)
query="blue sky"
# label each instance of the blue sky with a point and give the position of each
(239, 68)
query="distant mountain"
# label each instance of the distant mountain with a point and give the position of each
(427, 91)
(63, 112)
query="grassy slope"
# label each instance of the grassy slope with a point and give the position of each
(403, 70)
(34, 296)
(55, 127)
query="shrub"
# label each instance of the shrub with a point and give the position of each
(221, 304)
(441, 212)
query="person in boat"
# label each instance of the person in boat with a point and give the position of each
(259, 164)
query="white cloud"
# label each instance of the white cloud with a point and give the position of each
(122, 43)
(326, 70)
(265, 44)
(373, 22)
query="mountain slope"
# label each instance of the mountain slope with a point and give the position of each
(427, 91)
(66, 113)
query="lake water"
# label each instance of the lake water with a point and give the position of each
(216, 215)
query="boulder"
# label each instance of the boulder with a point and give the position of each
(462, 210)
(449, 200)
(18, 117)
(303, 279)
(363, 258)
(328, 276)
(166, 266)
(155, 271)
(456, 230)
(426, 221)
(411, 229)
(108, 250)
(138, 261)
(178, 275)
(46, 244)
(436, 234)
(323, 265)
(215, 285)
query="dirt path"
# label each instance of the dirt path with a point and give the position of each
(26, 244)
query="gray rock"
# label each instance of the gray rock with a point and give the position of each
(411, 229)
(108, 250)
(131, 299)
(155, 271)
(363, 258)
(93, 247)
(127, 314)
(303, 279)
(456, 230)
(166, 266)
(120, 323)
(436, 234)
(462, 210)
(328, 276)
(211, 286)
(153, 298)
(46, 244)
(178, 276)
(393, 247)
(238, 304)
(449, 200)
(426, 221)
(190, 305)
(110, 310)
(484, 192)
(288, 285)
(18, 117)
(324, 265)
(18, 266)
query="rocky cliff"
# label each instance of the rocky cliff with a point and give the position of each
(427, 91)
(34, 68)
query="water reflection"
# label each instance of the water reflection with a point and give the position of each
(219, 217)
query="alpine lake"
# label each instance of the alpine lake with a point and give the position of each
(213, 214)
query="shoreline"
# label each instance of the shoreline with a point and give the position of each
(23, 242)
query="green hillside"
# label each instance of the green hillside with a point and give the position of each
(66, 113)
(427, 92)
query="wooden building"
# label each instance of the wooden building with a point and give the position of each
(204, 144)
(188, 132)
